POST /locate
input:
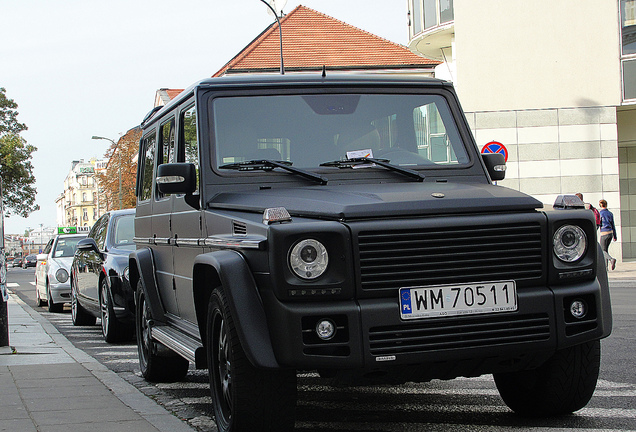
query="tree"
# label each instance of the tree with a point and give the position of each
(18, 194)
(120, 155)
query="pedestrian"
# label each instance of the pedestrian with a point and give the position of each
(608, 232)
(589, 206)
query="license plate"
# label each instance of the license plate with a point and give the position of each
(453, 300)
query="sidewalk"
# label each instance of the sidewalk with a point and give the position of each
(624, 270)
(49, 385)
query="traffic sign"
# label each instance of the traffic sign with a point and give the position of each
(495, 147)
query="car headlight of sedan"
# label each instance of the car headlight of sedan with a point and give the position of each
(570, 243)
(61, 275)
(308, 259)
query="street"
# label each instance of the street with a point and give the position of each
(460, 404)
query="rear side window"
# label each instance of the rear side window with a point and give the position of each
(190, 149)
(146, 168)
(167, 145)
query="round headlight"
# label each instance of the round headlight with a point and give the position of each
(61, 275)
(308, 259)
(126, 273)
(570, 243)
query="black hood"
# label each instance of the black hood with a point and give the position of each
(379, 200)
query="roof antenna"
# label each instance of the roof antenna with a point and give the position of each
(280, 33)
(324, 71)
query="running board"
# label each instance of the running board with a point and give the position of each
(182, 344)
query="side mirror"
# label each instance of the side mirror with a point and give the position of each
(87, 244)
(495, 164)
(176, 178)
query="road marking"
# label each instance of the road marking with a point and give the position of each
(13, 285)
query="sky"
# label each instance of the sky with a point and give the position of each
(78, 68)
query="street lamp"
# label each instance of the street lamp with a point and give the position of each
(119, 162)
(280, 29)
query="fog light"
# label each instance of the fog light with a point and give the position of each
(325, 329)
(578, 309)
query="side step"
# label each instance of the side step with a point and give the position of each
(184, 345)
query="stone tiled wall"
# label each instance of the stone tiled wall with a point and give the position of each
(558, 151)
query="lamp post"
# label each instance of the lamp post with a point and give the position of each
(4, 296)
(119, 162)
(280, 34)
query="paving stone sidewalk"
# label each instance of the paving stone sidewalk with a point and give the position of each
(48, 385)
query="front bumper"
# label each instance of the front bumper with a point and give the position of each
(60, 292)
(371, 335)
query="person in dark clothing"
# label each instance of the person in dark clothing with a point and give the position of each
(608, 232)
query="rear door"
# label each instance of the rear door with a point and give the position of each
(186, 220)
(161, 218)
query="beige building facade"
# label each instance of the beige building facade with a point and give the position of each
(79, 205)
(547, 80)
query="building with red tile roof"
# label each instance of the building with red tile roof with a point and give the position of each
(312, 40)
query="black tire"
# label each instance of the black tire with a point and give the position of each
(154, 367)
(52, 306)
(562, 385)
(79, 316)
(113, 330)
(244, 398)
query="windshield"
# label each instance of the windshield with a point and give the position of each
(124, 231)
(307, 130)
(65, 247)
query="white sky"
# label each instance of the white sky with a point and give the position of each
(78, 68)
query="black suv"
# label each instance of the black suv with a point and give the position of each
(347, 224)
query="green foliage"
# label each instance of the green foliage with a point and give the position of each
(18, 193)
(9, 116)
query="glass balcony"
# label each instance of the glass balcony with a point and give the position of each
(431, 27)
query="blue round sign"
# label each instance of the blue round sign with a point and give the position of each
(495, 147)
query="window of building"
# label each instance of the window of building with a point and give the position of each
(628, 47)
(446, 11)
(84, 197)
(85, 214)
(628, 26)
(416, 17)
(629, 79)
(430, 13)
(426, 14)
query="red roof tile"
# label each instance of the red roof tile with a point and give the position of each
(312, 39)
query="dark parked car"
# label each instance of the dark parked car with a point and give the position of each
(17, 262)
(30, 261)
(348, 224)
(99, 276)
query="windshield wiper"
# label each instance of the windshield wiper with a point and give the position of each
(350, 163)
(269, 165)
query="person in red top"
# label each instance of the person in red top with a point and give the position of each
(608, 232)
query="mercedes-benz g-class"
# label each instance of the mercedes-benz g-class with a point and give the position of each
(348, 225)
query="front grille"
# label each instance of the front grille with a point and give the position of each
(450, 254)
(433, 335)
